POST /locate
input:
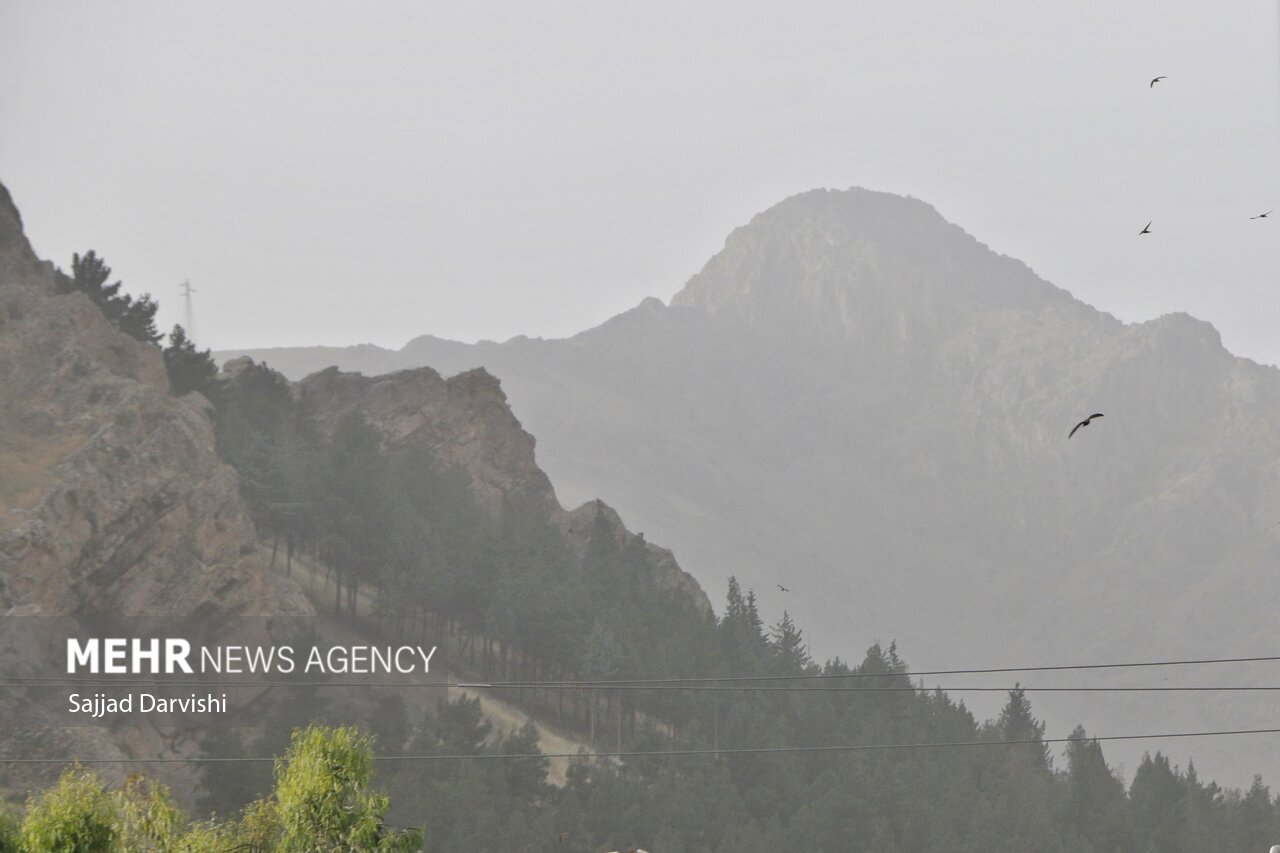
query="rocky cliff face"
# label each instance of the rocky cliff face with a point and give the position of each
(465, 422)
(115, 512)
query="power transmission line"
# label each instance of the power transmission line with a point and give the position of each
(891, 674)
(756, 750)
(694, 688)
(703, 682)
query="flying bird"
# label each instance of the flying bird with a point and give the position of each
(1262, 215)
(1083, 423)
(1154, 81)
(1146, 229)
(783, 588)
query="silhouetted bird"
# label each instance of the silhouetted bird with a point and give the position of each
(1083, 423)
(783, 588)
(1154, 81)
(1146, 229)
(1262, 215)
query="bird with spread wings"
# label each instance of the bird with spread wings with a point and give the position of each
(1083, 423)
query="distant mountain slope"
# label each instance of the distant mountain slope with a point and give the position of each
(858, 400)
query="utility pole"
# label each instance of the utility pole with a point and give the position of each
(189, 322)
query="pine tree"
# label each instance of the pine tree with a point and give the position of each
(1016, 724)
(1155, 797)
(1094, 795)
(788, 645)
(1257, 817)
(188, 368)
(741, 636)
(89, 275)
(352, 546)
(459, 727)
(526, 777)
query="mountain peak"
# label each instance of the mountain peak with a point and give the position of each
(844, 256)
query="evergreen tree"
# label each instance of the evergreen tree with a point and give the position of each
(459, 728)
(743, 641)
(1258, 824)
(600, 654)
(1016, 724)
(1203, 808)
(788, 645)
(89, 275)
(1156, 795)
(1095, 797)
(526, 777)
(349, 506)
(189, 369)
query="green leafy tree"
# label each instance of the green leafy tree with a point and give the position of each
(9, 832)
(322, 799)
(147, 821)
(75, 816)
(212, 837)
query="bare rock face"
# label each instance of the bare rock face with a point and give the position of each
(115, 512)
(581, 524)
(465, 421)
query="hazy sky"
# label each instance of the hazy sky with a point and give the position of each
(338, 173)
